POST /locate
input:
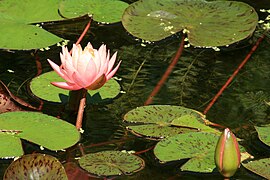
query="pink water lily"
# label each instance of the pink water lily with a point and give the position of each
(89, 68)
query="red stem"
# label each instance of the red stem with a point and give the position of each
(84, 31)
(233, 75)
(81, 110)
(167, 73)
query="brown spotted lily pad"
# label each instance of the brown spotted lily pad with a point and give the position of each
(111, 163)
(35, 166)
(260, 167)
(161, 121)
(263, 133)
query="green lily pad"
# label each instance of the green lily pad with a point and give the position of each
(260, 167)
(110, 163)
(46, 131)
(198, 146)
(42, 88)
(263, 133)
(208, 24)
(161, 121)
(35, 166)
(18, 29)
(105, 11)
(10, 146)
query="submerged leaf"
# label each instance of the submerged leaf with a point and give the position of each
(9, 102)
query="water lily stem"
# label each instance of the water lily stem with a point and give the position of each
(167, 73)
(253, 49)
(81, 110)
(85, 30)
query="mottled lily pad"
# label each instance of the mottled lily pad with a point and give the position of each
(161, 121)
(198, 146)
(215, 23)
(110, 163)
(105, 11)
(19, 31)
(35, 166)
(41, 87)
(46, 131)
(260, 167)
(263, 133)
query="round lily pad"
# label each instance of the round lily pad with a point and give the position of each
(263, 133)
(105, 11)
(41, 87)
(260, 167)
(161, 121)
(46, 131)
(198, 146)
(111, 163)
(20, 31)
(35, 166)
(208, 24)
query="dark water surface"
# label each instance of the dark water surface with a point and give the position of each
(197, 77)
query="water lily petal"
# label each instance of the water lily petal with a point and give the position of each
(110, 75)
(57, 69)
(79, 80)
(111, 63)
(91, 73)
(66, 85)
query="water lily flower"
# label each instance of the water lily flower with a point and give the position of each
(89, 68)
(227, 154)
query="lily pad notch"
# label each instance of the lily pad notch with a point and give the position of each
(207, 24)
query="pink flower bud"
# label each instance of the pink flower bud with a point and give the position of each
(227, 154)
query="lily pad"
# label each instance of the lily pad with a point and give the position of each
(105, 11)
(260, 167)
(10, 146)
(161, 121)
(19, 31)
(263, 133)
(208, 24)
(41, 87)
(44, 130)
(110, 163)
(198, 146)
(35, 166)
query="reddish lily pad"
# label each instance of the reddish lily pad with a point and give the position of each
(111, 163)
(215, 23)
(35, 166)
(260, 167)
(9, 102)
(161, 121)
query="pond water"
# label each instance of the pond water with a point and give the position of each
(197, 77)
